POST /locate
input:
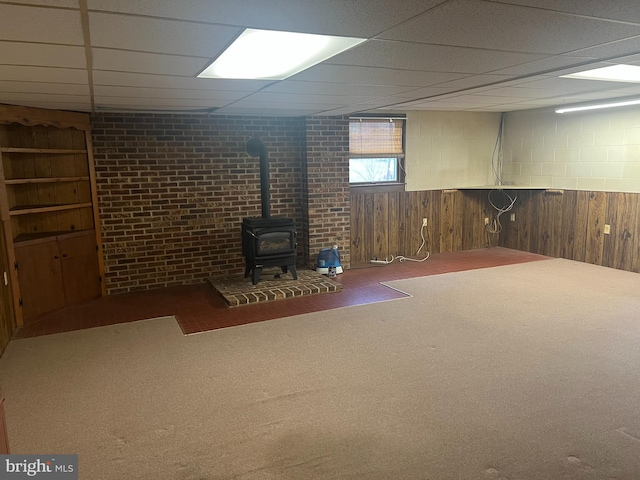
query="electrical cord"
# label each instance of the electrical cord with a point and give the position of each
(494, 226)
(497, 155)
(402, 258)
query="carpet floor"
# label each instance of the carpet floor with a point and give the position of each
(524, 371)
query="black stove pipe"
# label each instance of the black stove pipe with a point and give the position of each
(256, 148)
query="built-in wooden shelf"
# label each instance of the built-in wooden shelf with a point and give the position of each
(55, 151)
(37, 237)
(23, 181)
(27, 209)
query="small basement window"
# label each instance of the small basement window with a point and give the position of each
(376, 150)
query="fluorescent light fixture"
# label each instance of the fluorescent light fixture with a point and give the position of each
(274, 55)
(614, 73)
(596, 106)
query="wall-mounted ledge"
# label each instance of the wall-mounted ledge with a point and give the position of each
(502, 187)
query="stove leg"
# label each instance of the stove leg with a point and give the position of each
(257, 270)
(294, 274)
(247, 269)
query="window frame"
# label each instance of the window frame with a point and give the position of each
(397, 185)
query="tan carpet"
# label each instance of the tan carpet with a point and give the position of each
(526, 371)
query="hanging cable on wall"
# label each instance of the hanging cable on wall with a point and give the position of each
(496, 157)
(508, 201)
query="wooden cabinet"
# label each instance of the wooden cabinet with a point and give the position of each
(55, 272)
(47, 185)
(7, 312)
(4, 436)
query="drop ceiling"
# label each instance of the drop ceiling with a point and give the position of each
(471, 55)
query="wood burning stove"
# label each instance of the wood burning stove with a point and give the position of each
(267, 241)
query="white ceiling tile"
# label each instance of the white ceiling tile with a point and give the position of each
(49, 3)
(484, 99)
(175, 94)
(141, 102)
(549, 64)
(571, 85)
(45, 88)
(416, 56)
(490, 108)
(9, 97)
(141, 34)
(335, 17)
(611, 51)
(146, 54)
(36, 24)
(274, 111)
(16, 53)
(584, 97)
(125, 61)
(70, 106)
(523, 93)
(627, 59)
(374, 76)
(624, 10)
(325, 88)
(465, 23)
(247, 103)
(422, 93)
(43, 74)
(341, 112)
(293, 98)
(475, 81)
(126, 79)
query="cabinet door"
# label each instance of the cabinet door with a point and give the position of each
(80, 269)
(40, 277)
(7, 313)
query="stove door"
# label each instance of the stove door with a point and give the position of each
(275, 241)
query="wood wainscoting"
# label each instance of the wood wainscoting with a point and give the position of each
(385, 224)
(571, 224)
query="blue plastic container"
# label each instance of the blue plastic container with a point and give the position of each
(328, 257)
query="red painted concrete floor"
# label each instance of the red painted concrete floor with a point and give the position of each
(198, 308)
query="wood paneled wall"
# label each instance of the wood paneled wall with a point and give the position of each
(570, 224)
(385, 224)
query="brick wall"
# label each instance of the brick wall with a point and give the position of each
(327, 197)
(173, 190)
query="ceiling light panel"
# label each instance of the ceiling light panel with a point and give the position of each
(599, 105)
(275, 55)
(613, 73)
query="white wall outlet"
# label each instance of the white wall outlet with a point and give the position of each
(607, 229)
(513, 217)
(424, 222)
(486, 220)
